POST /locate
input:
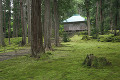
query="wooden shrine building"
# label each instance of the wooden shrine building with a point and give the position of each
(75, 23)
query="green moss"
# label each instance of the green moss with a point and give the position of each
(65, 63)
(15, 45)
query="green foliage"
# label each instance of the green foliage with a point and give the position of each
(20, 32)
(11, 24)
(49, 53)
(6, 35)
(61, 30)
(65, 37)
(83, 33)
(85, 37)
(109, 8)
(95, 36)
(109, 38)
(66, 9)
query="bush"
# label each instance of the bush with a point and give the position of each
(66, 38)
(95, 36)
(83, 33)
(61, 30)
(116, 39)
(85, 37)
(109, 38)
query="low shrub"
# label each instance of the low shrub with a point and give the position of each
(83, 33)
(95, 36)
(85, 37)
(66, 38)
(109, 38)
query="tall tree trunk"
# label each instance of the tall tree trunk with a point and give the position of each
(14, 25)
(119, 15)
(36, 29)
(9, 23)
(2, 43)
(22, 23)
(4, 22)
(29, 20)
(15, 17)
(25, 17)
(56, 20)
(87, 3)
(119, 18)
(115, 31)
(116, 18)
(49, 33)
(9, 28)
(111, 17)
(97, 24)
(18, 21)
(47, 18)
(17, 25)
(101, 18)
(88, 22)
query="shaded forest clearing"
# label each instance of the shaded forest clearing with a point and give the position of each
(65, 63)
(31, 33)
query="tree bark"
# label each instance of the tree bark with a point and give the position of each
(111, 17)
(119, 18)
(47, 25)
(9, 24)
(4, 22)
(14, 18)
(87, 3)
(22, 23)
(36, 29)
(29, 20)
(88, 22)
(49, 34)
(18, 17)
(56, 20)
(17, 25)
(97, 24)
(116, 18)
(25, 17)
(2, 43)
(101, 18)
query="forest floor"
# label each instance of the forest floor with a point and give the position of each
(65, 63)
(16, 53)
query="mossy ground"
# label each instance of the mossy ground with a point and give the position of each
(14, 45)
(65, 63)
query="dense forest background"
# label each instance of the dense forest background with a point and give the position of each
(102, 16)
(34, 45)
